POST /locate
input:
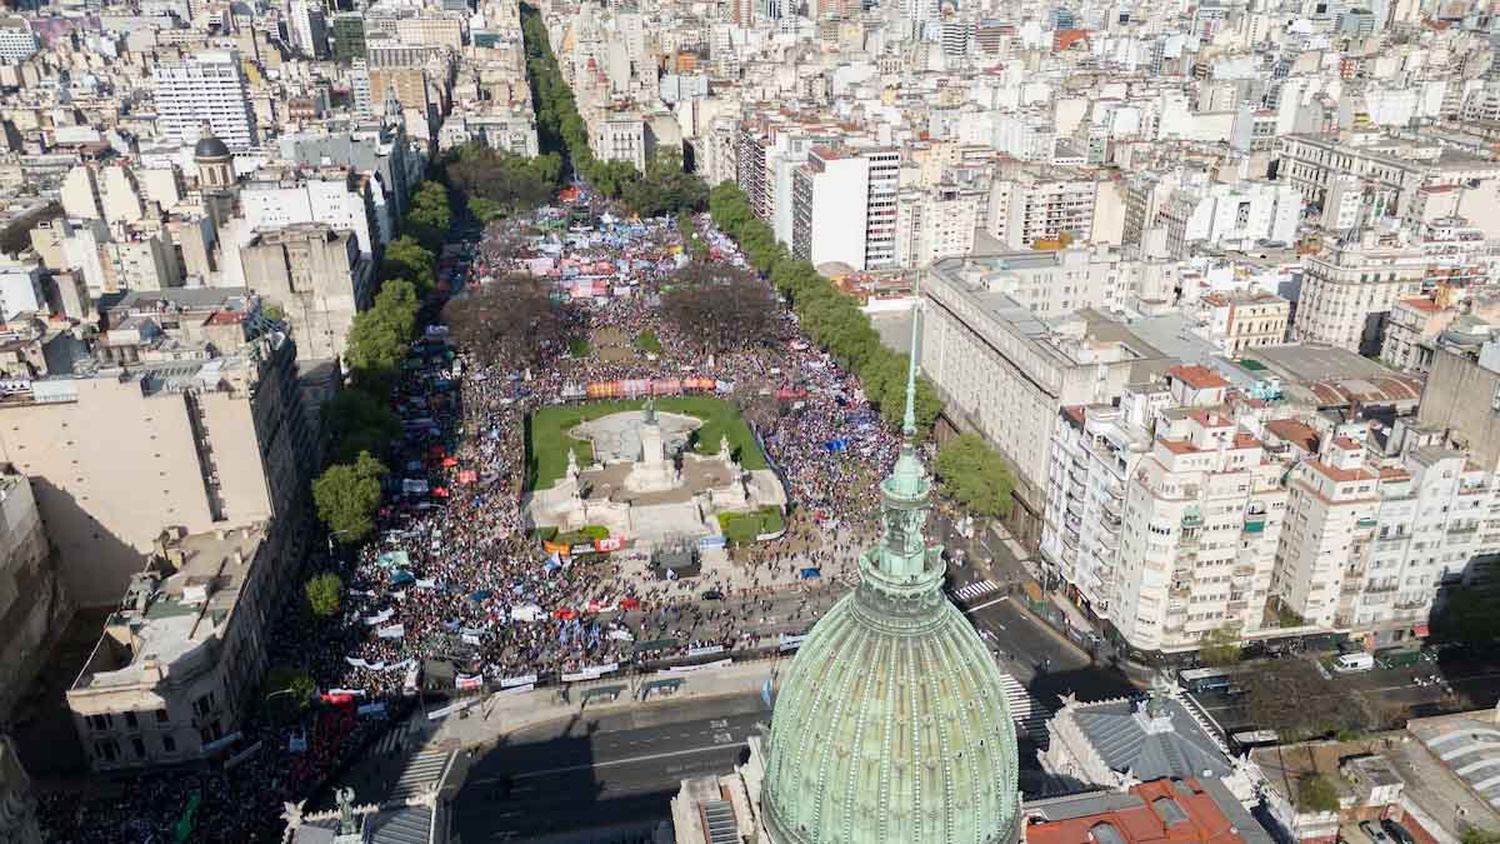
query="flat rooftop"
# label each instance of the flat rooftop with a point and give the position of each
(180, 602)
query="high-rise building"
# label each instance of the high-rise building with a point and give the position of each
(34, 603)
(844, 207)
(193, 441)
(208, 88)
(17, 40)
(348, 36)
(309, 28)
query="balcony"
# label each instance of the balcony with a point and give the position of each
(1192, 520)
(1463, 527)
(1255, 524)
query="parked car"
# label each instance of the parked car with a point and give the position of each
(1396, 830)
(1376, 834)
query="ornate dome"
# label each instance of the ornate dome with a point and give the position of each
(210, 148)
(891, 723)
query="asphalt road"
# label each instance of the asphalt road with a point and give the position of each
(616, 772)
(1405, 691)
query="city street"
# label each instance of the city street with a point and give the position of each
(616, 771)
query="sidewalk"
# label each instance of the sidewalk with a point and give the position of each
(488, 718)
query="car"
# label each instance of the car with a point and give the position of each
(1374, 832)
(1395, 829)
(713, 595)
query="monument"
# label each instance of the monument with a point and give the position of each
(645, 484)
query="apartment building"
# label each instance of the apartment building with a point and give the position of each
(1367, 546)
(1199, 524)
(1237, 217)
(193, 440)
(1006, 373)
(34, 604)
(1349, 288)
(334, 196)
(319, 279)
(1027, 206)
(1245, 320)
(1095, 449)
(175, 668)
(936, 223)
(1387, 172)
(844, 207)
(210, 88)
(619, 137)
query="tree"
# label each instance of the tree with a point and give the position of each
(1471, 616)
(325, 593)
(406, 258)
(1292, 698)
(719, 308)
(665, 188)
(512, 319)
(347, 495)
(1479, 835)
(381, 336)
(358, 421)
(975, 475)
(483, 209)
(429, 216)
(1219, 647)
(505, 181)
(1315, 793)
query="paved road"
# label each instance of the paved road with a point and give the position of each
(617, 771)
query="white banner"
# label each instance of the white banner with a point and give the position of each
(395, 631)
(683, 669)
(523, 680)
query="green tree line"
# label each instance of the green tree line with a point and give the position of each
(970, 470)
(664, 188)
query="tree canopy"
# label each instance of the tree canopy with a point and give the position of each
(429, 216)
(720, 308)
(405, 257)
(325, 592)
(1219, 647)
(356, 422)
(1315, 793)
(512, 319)
(381, 336)
(347, 495)
(506, 182)
(1292, 698)
(975, 475)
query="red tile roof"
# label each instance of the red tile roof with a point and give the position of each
(1168, 813)
(1296, 432)
(1198, 377)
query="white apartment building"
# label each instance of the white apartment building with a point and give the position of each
(1095, 450)
(1007, 373)
(619, 137)
(1029, 206)
(1236, 216)
(936, 223)
(1348, 288)
(1242, 320)
(207, 88)
(17, 41)
(844, 207)
(336, 198)
(1366, 547)
(1201, 518)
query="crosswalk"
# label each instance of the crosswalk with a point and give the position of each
(398, 738)
(422, 774)
(977, 589)
(1029, 713)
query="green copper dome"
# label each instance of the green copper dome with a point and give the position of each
(891, 725)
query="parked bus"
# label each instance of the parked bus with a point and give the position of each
(1198, 680)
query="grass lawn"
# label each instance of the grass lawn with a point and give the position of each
(743, 528)
(547, 440)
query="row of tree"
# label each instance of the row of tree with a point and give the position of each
(664, 188)
(970, 470)
(494, 183)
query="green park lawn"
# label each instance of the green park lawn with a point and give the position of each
(547, 440)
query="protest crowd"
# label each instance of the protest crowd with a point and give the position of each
(453, 578)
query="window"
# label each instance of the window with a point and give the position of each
(139, 747)
(161, 716)
(169, 744)
(98, 722)
(130, 720)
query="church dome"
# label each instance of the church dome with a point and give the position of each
(209, 148)
(891, 725)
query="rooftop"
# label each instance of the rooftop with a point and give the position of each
(174, 608)
(1166, 810)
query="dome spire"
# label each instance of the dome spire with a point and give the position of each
(902, 553)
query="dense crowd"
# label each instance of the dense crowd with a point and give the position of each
(453, 576)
